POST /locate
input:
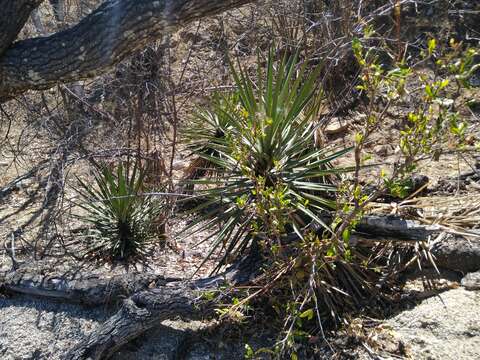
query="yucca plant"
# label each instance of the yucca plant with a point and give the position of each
(120, 216)
(269, 178)
(207, 128)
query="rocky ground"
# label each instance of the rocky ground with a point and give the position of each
(34, 329)
(444, 325)
(38, 329)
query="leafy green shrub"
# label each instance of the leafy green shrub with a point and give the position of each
(268, 178)
(121, 217)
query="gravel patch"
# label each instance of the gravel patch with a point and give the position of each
(446, 326)
(36, 329)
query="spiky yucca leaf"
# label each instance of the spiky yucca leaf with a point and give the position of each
(119, 215)
(270, 179)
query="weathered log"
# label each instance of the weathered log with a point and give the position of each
(150, 299)
(396, 227)
(89, 290)
(455, 251)
(138, 314)
(146, 309)
(98, 42)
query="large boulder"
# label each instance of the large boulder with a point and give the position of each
(471, 281)
(458, 253)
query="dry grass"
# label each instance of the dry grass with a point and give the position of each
(455, 212)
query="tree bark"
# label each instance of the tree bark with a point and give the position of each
(396, 227)
(146, 309)
(13, 16)
(138, 314)
(91, 290)
(150, 299)
(109, 34)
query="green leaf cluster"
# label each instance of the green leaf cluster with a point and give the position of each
(270, 178)
(119, 214)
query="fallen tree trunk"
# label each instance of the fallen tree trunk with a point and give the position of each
(396, 227)
(150, 300)
(138, 314)
(146, 309)
(454, 251)
(38, 280)
(44, 280)
(91, 290)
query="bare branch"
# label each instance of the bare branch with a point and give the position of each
(102, 39)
